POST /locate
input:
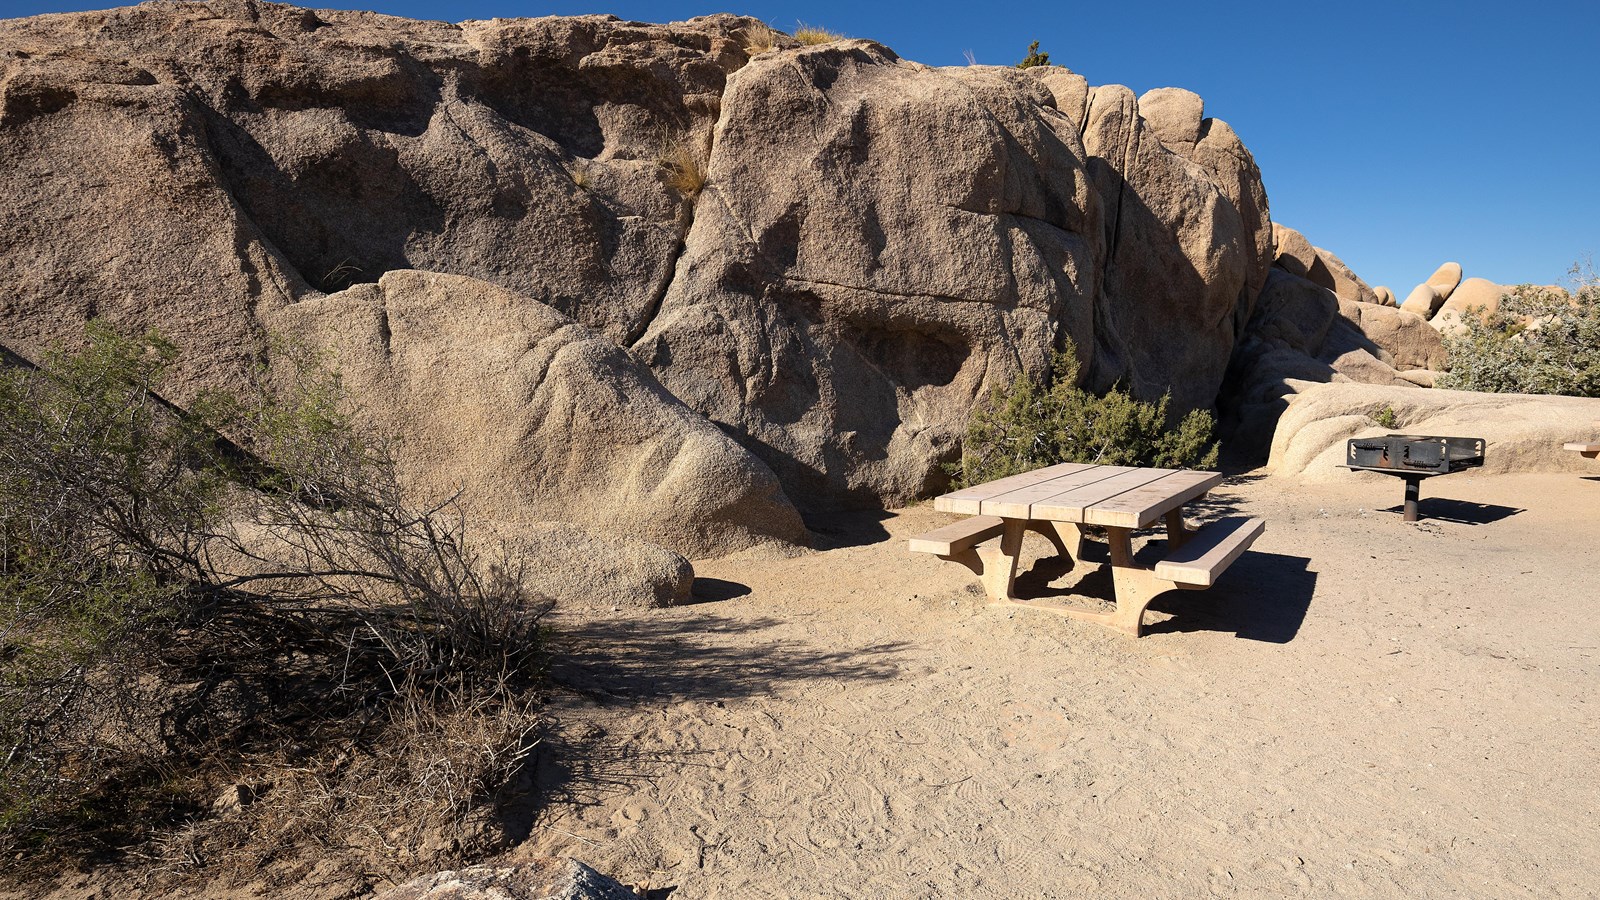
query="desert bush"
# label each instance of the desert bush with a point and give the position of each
(1386, 417)
(1034, 424)
(1539, 341)
(178, 605)
(809, 35)
(1034, 57)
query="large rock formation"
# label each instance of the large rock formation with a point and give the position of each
(1295, 255)
(541, 418)
(880, 242)
(1445, 299)
(866, 248)
(188, 164)
(1474, 296)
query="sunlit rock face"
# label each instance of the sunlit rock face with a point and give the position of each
(829, 252)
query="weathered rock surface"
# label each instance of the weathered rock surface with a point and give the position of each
(1424, 301)
(184, 164)
(580, 568)
(1188, 244)
(1474, 296)
(535, 417)
(1444, 279)
(1295, 255)
(1221, 153)
(878, 244)
(542, 879)
(1385, 296)
(1524, 431)
(1303, 334)
(1347, 284)
(1410, 340)
(1174, 114)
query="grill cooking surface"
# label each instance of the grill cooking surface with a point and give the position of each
(1410, 454)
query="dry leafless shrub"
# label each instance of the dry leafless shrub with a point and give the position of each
(177, 608)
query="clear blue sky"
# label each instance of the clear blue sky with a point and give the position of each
(1396, 134)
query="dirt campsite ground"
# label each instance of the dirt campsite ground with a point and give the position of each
(1361, 708)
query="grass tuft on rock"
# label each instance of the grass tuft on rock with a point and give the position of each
(811, 35)
(684, 162)
(757, 38)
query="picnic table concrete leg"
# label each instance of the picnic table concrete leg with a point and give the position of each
(999, 569)
(1135, 585)
(1178, 532)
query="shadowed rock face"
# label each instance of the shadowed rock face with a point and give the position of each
(877, 245)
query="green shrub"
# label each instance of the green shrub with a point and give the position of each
(1031, 425)
(1539, 341)
(180, 606)
(1034, 57)
(1386, 417)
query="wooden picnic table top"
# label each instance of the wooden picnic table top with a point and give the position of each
(1119, 496)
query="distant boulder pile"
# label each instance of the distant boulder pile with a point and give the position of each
(1445, 299)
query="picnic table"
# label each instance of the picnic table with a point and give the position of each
(1060, 502)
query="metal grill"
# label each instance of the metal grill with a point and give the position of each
(1413, 457)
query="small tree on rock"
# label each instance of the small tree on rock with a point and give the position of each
(1034, 57)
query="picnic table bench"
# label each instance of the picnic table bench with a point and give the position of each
(1059, 501)
(1590, 450)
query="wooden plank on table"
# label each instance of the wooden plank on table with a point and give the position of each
(1070, 506)
(967, 500)
(1018, 504)
(1147, 503)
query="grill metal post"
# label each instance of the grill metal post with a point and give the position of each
(1413, 493)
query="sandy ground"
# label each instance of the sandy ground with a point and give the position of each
(1361, 708)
